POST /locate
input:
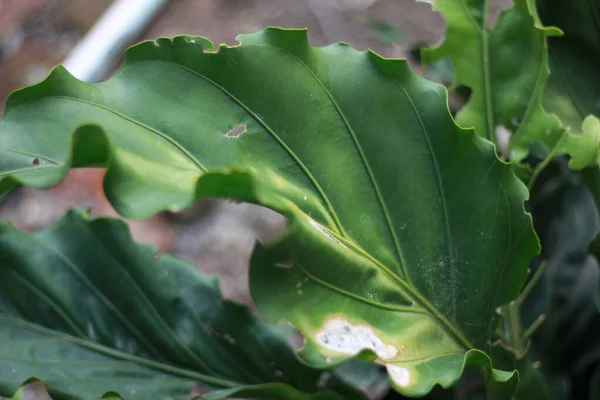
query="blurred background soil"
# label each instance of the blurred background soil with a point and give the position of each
(217, 236)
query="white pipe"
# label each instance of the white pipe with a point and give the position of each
(122, 23)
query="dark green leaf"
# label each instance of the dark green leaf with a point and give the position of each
(573, 91)
(566, 220)
(86, 310)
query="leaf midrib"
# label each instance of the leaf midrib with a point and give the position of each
(101, 297)
(408, 309)
(27, 169)
(110, 352)
(485, 53)
(442, 193)
(141, 124)
(366, 165)
(280, 141)
(410, 291)
(149, 303)
(440, 319)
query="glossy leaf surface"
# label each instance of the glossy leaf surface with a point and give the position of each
(405, 231)
(86, 310)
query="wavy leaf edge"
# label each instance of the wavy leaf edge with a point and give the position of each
(94, 134)
(220, 388)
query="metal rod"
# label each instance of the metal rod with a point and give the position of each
(122, 23)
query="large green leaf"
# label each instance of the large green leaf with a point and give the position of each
(405, 231)
(86, 310)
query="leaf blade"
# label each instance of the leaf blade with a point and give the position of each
(407, 227)
(82, 342)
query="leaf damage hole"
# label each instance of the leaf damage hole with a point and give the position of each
(236, 131)
(36, 161)
(341, 336)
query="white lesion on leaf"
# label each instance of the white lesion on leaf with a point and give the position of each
(400, 375)
(341, 336)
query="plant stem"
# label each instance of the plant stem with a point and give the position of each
(536, 277)
(541, 166)
(536, 324)
(513, 336)
(512, 326)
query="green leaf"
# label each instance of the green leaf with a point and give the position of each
(505, 66)
(86, 310)
(566, 219)
(573, 90)
(585, 147)
(405, 231)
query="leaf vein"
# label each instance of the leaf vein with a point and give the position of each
(280, 141)
(371, 175)
(141, 124)
(438, 178)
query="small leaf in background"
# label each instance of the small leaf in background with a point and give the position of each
(573, 89)
(584, 148)
(503, 65)
(506, 68)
